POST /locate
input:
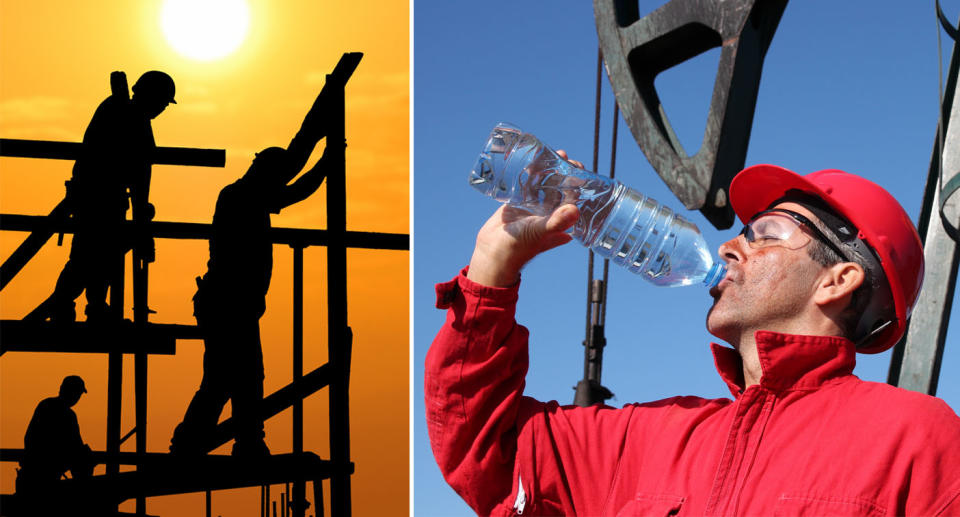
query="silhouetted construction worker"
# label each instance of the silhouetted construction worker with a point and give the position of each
(52, 444)
(231, 296)
(112, 173)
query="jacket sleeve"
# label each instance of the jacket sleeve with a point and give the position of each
(504, 453)
(934, 485)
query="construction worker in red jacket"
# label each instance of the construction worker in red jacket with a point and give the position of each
(827, 265)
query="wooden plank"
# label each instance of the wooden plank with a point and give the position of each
(53, 150)
(81, 337)
(43, 230)
(202, 231)
(279, 401)
(169, 474)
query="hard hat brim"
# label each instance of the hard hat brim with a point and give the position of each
(754, 188)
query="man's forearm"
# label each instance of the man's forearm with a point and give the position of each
(140, 194)
(491, 267)
(301, 147)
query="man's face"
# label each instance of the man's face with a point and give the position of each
(156, 107)
(151, 104)
(766, 288)
(71, 397)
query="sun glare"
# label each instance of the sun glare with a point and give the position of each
(205, 30)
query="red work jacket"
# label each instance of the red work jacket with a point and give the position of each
(809, 439)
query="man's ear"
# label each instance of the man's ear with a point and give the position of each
(838, 282)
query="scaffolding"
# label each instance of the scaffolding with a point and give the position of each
(158, 474)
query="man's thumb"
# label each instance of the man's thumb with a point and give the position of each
(562, 218)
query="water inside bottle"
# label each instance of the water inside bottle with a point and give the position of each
(489, 174)
(618, 223)
(533, 177)
(650, 240)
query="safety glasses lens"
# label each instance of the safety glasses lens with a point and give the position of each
(773, 229)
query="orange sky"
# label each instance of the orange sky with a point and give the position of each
(55, 61)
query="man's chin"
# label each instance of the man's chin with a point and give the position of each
(716, 327)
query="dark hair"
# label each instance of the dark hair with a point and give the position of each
(823, 255)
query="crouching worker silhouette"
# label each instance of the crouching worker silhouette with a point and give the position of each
(231, 296)
(52, 445)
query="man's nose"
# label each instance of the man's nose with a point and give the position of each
(732, 249)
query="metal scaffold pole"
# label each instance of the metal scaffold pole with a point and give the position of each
(338, 332)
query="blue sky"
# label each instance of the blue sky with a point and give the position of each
(847, 85)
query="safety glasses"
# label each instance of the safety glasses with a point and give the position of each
(781, 227)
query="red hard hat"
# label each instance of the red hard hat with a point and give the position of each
(882, 223)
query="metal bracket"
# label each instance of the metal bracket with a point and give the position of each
(636, 49)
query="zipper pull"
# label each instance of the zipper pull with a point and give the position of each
(521, 497)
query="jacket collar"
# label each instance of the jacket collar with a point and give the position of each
(789, 361)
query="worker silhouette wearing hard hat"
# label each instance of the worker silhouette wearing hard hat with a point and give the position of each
(827, 265)
(231, 295)
(111, 174)
(52, 444)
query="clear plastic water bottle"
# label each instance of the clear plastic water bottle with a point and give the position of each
(618, 223)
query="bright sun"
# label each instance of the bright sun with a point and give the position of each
(205, 30)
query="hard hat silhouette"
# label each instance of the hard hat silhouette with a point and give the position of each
(156, 83)
(72, 384)
(272, 153)
(273, 157)
(881, 222)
